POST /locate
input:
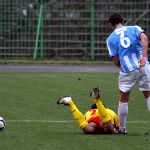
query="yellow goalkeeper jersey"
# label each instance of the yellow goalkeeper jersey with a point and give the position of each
(92, 116)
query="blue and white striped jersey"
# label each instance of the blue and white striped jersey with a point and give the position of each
(125, 43)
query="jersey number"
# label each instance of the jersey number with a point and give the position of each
(124, 41)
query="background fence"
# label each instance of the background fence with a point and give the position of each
(63, 28)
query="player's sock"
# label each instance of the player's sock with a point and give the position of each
(122, 114)
(104, 116)
(77, 115)
(148, 103)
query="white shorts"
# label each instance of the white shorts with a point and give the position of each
(139, 77)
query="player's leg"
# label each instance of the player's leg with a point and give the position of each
(105, 117)
(144, 83)
(107, 126)
(123, 110)
(147, 98)
(77, 115)
(126, 82)
(88, 128)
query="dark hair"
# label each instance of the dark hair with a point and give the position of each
(115, 19)
(94, 106)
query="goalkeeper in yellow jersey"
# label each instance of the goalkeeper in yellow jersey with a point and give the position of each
(97, 120)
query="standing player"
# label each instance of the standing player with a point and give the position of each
(128, 45)
(98, 120)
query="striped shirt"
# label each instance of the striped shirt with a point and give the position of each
(125, 43)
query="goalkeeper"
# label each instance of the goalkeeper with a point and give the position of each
(97, 120)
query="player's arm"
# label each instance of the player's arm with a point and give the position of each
(116, 122)
(116, 61)
(144, 42)
(113, 52)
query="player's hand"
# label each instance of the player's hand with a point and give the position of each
(142, 62)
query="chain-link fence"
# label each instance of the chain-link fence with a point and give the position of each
(63, 28)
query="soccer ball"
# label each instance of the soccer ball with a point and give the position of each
(2, 123)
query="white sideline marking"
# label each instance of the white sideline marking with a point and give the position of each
(42, 121)
(63, 121)
(143, 122)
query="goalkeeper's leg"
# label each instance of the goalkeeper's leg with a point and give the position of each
(88, 128)
(104, 116)
(77, 115)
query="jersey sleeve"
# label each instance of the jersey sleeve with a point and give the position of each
(138, 30)
(111, 49)
(114, 117)
(116, 120)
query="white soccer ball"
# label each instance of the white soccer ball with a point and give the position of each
(2, 123)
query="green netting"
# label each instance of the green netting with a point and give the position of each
(67, 28)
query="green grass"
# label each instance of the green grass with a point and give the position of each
(32, 96)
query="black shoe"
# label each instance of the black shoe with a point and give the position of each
(95, 93)
(123, 131)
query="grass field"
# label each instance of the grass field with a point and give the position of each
(35, 122)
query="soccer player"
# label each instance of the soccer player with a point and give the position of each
(97, 120)
(128, 46)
